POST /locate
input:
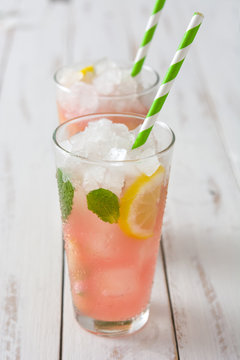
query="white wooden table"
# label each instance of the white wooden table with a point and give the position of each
(195, 310)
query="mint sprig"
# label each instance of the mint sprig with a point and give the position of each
(66, 193)
(105, 204)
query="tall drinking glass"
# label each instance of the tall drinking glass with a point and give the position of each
(113, 91)
(112, 214)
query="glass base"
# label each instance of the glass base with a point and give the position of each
(112, 328)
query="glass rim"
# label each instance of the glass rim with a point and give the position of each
(115, 97)
(113, 162)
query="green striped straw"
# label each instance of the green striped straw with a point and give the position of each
(168, 80)
(148, 35)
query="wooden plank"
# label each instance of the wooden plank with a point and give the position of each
(201, 232)
(31, 248)
(154, 341)
(218, 66)
(218, 60)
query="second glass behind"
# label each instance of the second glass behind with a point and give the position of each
(104, 86)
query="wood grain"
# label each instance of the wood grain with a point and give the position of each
(201, 228)
(31, 249)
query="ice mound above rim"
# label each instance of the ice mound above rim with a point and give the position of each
(108, 79)
(107, 141)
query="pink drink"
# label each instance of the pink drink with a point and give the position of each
(106, 87)
(111, 274)
(111, 254)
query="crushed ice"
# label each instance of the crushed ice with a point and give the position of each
(108, 141)
(108, 79)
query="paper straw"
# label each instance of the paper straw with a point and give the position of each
(149, 32)
(168, 80)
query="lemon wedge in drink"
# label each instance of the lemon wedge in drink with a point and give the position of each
(139, 205)
(87, 73)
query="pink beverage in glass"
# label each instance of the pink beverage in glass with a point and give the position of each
(112, 200)
(103, 86)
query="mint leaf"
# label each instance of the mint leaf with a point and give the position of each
(105, 204)
(66, 192)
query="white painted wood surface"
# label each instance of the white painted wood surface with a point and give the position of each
(201, 235)
(31, 255)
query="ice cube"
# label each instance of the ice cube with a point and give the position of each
(82, 144)
(116, 154)
(100, 125)
(79, 287)
(127, 85)
(118, 281)
(104, 140)
(77, 141)
(122, 136)
(70, 76)
(150, 162)
(93, 177)
(103, 65)
(66, 145)
(81, 99)
(106, 83)
(95, 141)
(148, 166)
(103, 245)
(114, 179)
(108, 77)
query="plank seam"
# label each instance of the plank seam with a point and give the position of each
(212, 108)
(62, 303)
(169, 296)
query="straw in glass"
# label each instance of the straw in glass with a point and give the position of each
(148, 35)
(168, 80)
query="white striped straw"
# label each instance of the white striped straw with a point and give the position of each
(168, 80)
(148, 35)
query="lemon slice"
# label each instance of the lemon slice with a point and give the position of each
(87, 73)
(139, 205)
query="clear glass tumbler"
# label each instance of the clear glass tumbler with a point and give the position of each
(112, 217)
(82, 98)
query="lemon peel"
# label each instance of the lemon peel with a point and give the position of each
(139, 205)
(85, 72)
